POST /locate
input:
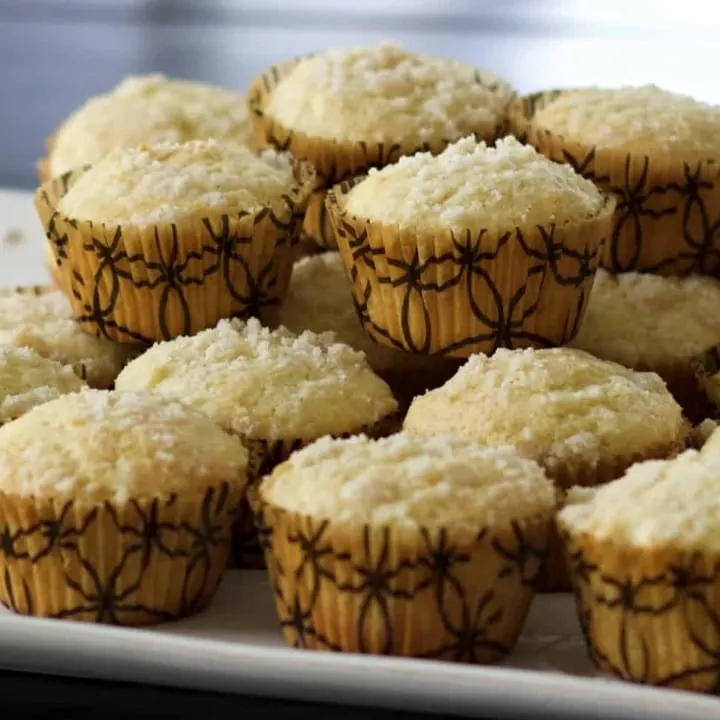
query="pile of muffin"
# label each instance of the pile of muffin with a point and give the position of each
(417, 346)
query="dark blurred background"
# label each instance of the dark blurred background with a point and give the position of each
(56, 53)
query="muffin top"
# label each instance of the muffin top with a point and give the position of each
(147, 110)
(265, 384)
(319, 299)
(41, 318)
(387, 94)
(647, 320)
(472, 186)
(558, 406)
(166, 183)
(657, 503)
(411, 482)
(27, 380)
(99, 445)
(644, 119)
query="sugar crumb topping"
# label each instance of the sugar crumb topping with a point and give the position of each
(148, 110)
(98, 445)
(656, 504)
(643, 119)
(165, 183)
(470, 186)
(385, 93)
(642, 319)
(405, 481)
(555, 405)
(263, 383)
(41, 319)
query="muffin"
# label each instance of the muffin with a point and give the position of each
(470, 250)
(400, 546)
(145, 110)
(644, 556)
(40, 317)
(319, 299)
(583, 419)
(707, 437)
(276, 390)
(656, 151)
(115, 508)
(164, 241)
(650, 322)
(706, 366)
(348, 110)
(28, 380)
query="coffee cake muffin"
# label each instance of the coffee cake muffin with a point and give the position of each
(439, 523)
(40, 318)
(116, 507)
(28, 380)
(348, 110)
(706, 366)
(645, 560)
(319, 299)
(473, 249)
(164, 241)
(656, 151)
(276, 390)
(583, 419)
(145, 110)
(650, 322)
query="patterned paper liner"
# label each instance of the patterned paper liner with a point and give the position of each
(458, 294)
(427, 593)
(264, 455)
(137, 563)
(707, 373)
(649, 615)
(555, 576)
(334, 160)
(668, 211)
(148, 284)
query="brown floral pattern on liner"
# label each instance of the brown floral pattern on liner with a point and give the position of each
(472, 291)
(667, 219)
(414, 593)
(139, 563)
(144, 285)
(264, 455)
(334, 160)
(648, 615)
(707, 374)
(555, 576)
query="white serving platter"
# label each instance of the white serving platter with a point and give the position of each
(236, 644)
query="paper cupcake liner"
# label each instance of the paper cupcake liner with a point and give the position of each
(53, 268)
(706, 368)
(136, 563)
(555, 576)
(649, 615)
(668, 210)
(264, 456)
(334, 160)
(458, 294)
(148, 284)
(420, 593)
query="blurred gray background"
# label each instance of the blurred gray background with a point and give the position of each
(56, 53)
